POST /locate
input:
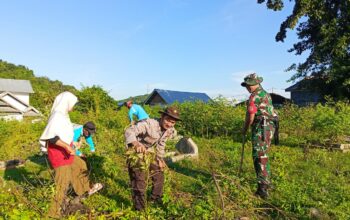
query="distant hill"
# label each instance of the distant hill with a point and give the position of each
(93, 98)
(140, 99)
(45, 89)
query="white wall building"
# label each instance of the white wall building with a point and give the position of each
(19, 88)
(14, 99)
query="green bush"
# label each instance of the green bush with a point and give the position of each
(19, 139)
(211, 120)
(315, 124)
(303, 180)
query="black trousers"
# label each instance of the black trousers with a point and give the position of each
(138, 184)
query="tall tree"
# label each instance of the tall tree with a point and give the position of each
(323, 29)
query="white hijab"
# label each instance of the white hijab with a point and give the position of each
(59, 123)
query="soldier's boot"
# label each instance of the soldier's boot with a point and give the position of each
(156, 200)
(262, 191)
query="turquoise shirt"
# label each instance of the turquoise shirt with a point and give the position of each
(138, 111)
(78, 133)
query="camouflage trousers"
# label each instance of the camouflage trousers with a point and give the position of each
(261, 141)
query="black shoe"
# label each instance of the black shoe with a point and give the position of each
(262, 191)
(157, 201)
(139, 209)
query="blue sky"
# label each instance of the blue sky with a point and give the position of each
(130, 47)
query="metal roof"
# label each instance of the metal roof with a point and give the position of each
(304, 84)
(31, 112)
(15, 85)
(6, 107)
(293, 87)
(177, 96)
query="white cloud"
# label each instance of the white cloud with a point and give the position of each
(234, 93)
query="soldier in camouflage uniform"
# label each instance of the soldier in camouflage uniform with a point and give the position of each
(259, 116)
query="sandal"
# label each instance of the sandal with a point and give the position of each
(96, 187)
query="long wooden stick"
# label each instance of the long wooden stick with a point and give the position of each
(242, 157)
(220, 194)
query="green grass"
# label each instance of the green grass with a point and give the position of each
(302, 180)
(316, 179)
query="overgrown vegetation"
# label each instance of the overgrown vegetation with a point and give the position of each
(302, 180)
(308, 183)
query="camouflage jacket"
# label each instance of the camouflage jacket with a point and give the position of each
(149, 133)
(260, 104)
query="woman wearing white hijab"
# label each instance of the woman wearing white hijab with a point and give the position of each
(59, 124)
(69, 169)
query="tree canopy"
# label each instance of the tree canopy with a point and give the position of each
(140, 99)
(45, 90)
(95, 99)
(323, 29)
